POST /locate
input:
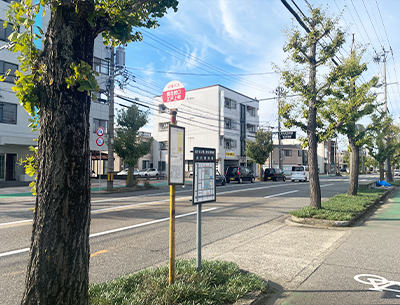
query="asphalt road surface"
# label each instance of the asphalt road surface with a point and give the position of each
(130, 231)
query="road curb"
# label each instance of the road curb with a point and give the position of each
(324, 223)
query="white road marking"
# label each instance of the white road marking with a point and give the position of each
(14, 252)
(142, 203)
(379, 283)
(115, 230)
(327, 185)
(276, 195)
(15, 222)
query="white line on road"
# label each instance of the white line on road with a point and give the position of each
(280, 194)
(142, 203)
(115, 230)
(327, 185)
(145, 223)
(15, 222)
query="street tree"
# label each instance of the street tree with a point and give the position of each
(54, 86)
(379, 132)
(259, 149)
(128, 145)
(308, 54)
(349, 103)
(370, 162)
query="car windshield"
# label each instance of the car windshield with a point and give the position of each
(297, 168)
(231, 170)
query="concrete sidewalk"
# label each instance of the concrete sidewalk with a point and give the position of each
(286, 256)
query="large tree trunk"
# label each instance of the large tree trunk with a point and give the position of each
(381, 170)
(389, 174)
(315, 190)
(58, 269)
(354, 167)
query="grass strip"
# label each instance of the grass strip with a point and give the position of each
(341, 207)
(217, 282)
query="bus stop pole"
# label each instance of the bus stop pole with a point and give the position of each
(172, 220)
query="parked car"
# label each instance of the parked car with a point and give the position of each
(239, 174)
(274, 174)
(300, 172)
(219, 179)
(125, 171)
(149, 172)
(397, 172)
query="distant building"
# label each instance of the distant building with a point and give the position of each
(293, 154)
(213, 117)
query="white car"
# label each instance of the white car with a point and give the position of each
(149, 172)
(300, 172)
(126, 170)
(397, 172)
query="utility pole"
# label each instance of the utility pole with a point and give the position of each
(110, 172)
(117, 64)
(279, 92)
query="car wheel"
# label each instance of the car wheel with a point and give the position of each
(305, 180)
(227, 181)
(223, 182)
(292, 180)
(284, 179)
(252, 179)
(240, 180)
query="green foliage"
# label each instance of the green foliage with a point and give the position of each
(341, 207)
(350, 102)
(83, 76)
(30, 163)
(379, 132)
(306, 53)
(216, 283)
(259, 149)
(127, 144)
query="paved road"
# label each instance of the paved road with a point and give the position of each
(365, 269)
(129, 233)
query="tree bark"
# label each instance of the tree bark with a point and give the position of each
(131, 179)
(381, 170)
(389, 174)
(315, 190)
(58, 268)
(354, 167)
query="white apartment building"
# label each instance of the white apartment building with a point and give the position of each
(213, 117)
(15, 135)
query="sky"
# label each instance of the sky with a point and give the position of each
(235, 43)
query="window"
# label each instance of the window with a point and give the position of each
(162, 108)
(230, 104)
(145, 164)
(229, 123)
(163, 126)
(5, 32)
(299, 153)
(229, 143)
(4, 67)
(287, 152)
(101, 65)
(251, 128)
(8, 113)
(100, 123)
(251, 110)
